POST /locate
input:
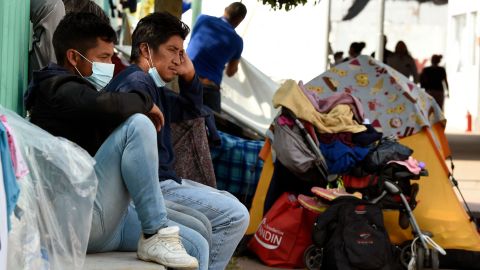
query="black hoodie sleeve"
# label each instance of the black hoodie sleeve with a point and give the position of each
(76, 100)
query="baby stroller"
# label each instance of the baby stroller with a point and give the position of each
(390, 189)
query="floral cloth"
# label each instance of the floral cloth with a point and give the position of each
(390, 100)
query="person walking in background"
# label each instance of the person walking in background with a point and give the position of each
(434, 80)
(214, 44)
(355, 50)
(403, 62)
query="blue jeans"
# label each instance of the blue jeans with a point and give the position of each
(127, 168)
(229, 218)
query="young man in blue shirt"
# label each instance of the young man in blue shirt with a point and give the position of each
(214, 44)
(158, 56)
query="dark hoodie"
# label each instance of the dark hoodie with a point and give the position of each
(68, 106)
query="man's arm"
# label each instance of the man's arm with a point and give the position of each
(81, 102)
(187, 105)
(232, 67)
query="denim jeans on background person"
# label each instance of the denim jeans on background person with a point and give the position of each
(190, 218)
(228, 216)
(127, 167)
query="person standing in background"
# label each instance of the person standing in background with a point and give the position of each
(337, 58)
(45, 15)
(386, 52)
(214, 44)
(434, 80)
(403, 62)
(355, 50)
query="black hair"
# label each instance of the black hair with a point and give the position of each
(92, 7)
(236, 11)
(156, 29)
(80, 31)
(357, 47)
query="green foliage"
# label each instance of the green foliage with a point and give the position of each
(285, 4)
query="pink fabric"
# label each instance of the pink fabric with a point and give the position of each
(285, 121)
(411, 164)
(19, 164)
(327, 104)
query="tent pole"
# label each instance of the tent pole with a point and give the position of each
(380, 46)
(196, 10)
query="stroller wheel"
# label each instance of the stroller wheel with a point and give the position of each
(420, 259)
(313, 257)
(405, 255)
(435, 259)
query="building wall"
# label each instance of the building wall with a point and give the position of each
(421, 26)
(14, 43)
(463, 64)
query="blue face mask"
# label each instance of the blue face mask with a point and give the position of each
(153, 71)
(102, 73)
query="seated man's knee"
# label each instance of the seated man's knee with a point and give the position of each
(142, 124)
(241, 215)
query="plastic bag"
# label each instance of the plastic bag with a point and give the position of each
(51, 225)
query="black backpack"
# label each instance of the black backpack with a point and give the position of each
(353, 237)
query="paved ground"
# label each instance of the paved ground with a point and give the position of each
(466, 154)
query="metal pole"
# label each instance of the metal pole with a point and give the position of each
(380, 47)
(196, 10)
(327, 34)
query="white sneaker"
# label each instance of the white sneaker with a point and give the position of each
(166, 249)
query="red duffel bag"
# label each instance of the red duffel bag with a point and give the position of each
(284, 234)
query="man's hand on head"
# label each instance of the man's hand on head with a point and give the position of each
(157, 117)
(185, 69)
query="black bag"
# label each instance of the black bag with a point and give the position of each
(385, 151)
(353, 237)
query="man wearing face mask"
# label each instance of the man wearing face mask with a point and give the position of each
(158, 56)
(66, 100)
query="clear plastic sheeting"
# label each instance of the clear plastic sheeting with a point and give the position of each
(51, 224)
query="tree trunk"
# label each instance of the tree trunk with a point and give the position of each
(173, 7)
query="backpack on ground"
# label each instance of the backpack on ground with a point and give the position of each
(352, 236)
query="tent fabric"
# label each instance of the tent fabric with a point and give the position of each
(438, 132)
(247, 96)
(402, 109)
(256, 211)
(391, 101)
(439, 210)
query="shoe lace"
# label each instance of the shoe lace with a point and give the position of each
(174, 243)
